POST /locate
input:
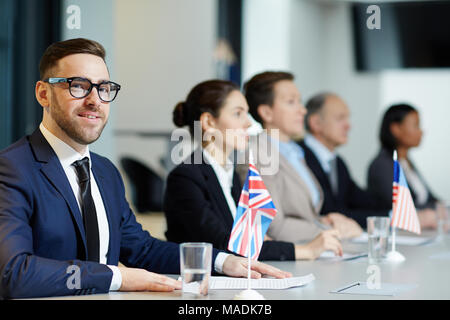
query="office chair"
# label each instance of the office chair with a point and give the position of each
(147, 187)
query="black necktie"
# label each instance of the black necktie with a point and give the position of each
(88, 209)
(235, 191)
(333, 176)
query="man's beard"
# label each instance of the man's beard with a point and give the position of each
(74, 131)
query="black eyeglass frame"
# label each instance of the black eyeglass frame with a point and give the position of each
(97, 85)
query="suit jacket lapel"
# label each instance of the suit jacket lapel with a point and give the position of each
(54, 172)
(317, 169)
(285, 165)
(237, 188)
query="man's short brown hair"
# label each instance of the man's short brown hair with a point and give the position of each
(61, 49)
(259, 90)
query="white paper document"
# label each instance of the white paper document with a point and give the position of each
(400, 240)
(217, 283)
(330, 256)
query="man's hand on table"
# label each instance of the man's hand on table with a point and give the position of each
(142, 280)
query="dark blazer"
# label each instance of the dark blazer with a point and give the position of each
(379, 181)
(196, 209)
(350, 200)
(42, 233)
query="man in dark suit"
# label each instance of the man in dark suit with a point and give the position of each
(64, 220)
(327, 123)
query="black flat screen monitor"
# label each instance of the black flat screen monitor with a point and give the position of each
(412, 34)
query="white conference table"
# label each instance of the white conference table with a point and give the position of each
(426, 266)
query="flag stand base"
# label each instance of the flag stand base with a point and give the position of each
(395, 256)
(249, 294)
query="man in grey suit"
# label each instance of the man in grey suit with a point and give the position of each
(275, 102)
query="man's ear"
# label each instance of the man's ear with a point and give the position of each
(315, 123)
(265, 112)
(42, 93)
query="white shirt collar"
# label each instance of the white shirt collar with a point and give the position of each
(65, 153)
(223, 175)
(323, 154)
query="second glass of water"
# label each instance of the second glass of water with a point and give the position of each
(378, 232)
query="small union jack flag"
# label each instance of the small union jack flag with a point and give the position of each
(404, 215)
(255, 199)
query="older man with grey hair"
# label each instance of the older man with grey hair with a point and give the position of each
(327, 123)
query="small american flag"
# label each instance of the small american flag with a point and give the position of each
(255, 199)
(404, 215)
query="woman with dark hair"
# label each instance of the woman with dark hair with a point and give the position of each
(400, 130)
(202, 192)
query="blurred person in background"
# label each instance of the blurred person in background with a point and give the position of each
(400, 130)
(202, 193)
(327, 123)
(275, 101)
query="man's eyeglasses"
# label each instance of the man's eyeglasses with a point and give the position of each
(81, 87)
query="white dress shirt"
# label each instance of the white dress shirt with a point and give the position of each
(67, 155)
(415, 182)
(225, 177)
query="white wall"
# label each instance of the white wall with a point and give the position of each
(361, 91)
(265, 36)
(307, 46)
(162, 49)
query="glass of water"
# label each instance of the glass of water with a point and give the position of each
(378, 232)
(195, 267)
(442, 217)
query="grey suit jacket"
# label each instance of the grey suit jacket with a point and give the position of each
(294, 221)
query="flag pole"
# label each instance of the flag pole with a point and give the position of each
(250, 160)
(249, 248)
(249, 294)
(394, 255)
(393, 239)
(394, 156)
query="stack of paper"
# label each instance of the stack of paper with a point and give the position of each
(217, 283)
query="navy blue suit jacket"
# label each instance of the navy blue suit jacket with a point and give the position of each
(350, 199)
(42, 233)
